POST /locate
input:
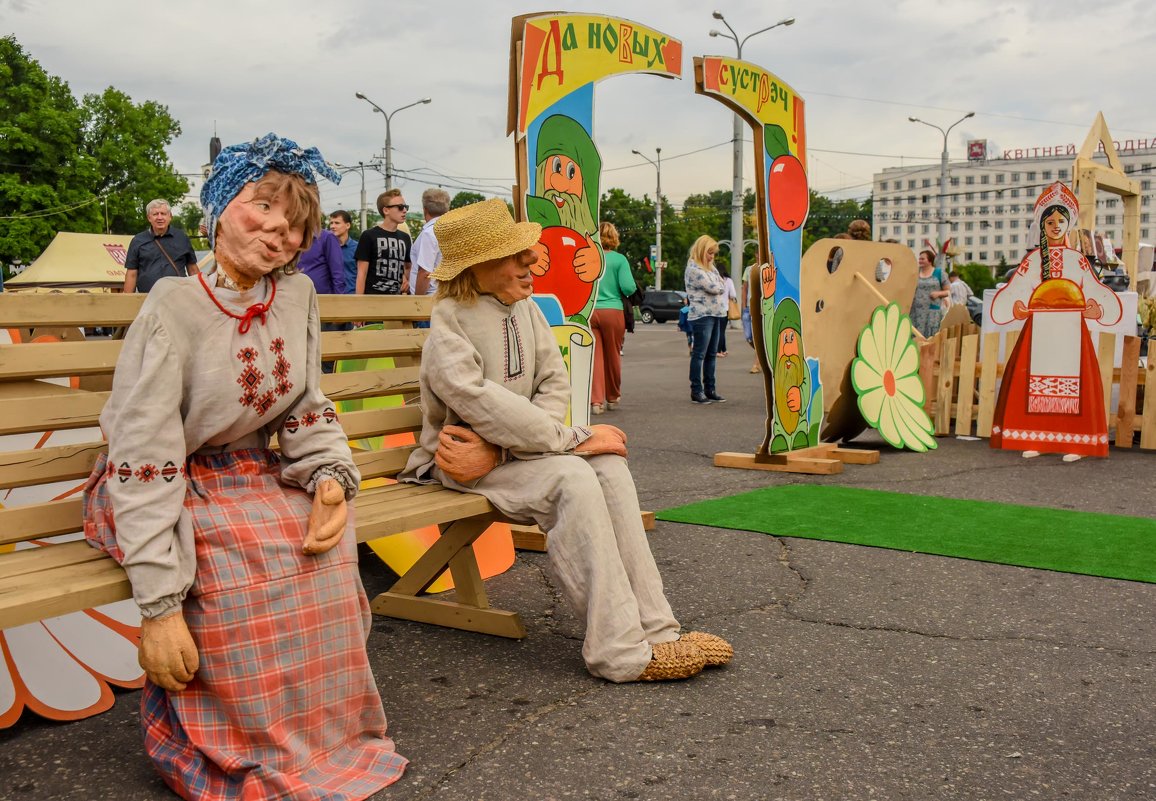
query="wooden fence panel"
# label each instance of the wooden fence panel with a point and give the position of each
(967, 364)
(988, 373)
(1126, 411)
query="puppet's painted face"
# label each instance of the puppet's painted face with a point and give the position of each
(508, 279)
(254, 236)
(563, 175)
(1055, 226)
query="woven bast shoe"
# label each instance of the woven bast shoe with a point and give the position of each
(716, 650)
(673, 660)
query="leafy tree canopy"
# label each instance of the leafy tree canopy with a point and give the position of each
(64, 164)
(465, 199)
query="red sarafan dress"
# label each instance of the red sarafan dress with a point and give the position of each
(1051, 399)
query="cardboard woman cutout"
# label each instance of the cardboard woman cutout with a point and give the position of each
(1051, 399)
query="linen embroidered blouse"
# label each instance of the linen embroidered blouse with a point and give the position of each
(187, 381)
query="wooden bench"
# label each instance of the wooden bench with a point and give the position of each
(42, 582)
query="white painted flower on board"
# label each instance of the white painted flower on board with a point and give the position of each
(885, 375)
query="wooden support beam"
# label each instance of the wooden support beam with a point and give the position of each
(452, 615)
(824, 459)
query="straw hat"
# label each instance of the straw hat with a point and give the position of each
(480, 232)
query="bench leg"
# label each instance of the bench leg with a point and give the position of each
(471, 612)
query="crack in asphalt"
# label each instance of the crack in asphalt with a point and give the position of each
(515, 728)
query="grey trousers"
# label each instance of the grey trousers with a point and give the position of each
(597, 549)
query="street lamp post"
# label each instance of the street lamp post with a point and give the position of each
(657, 217)
(737, 186)
(941, 223)
(388, 139)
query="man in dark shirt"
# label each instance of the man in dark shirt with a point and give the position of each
(159, 252)
(383, 251)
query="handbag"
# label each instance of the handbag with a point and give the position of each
(733, 312)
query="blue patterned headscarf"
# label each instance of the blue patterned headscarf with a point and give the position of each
(238, 165)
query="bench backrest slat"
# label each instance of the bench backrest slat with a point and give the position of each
(51, 413)
(40, 520)
(56, 359)
(78, 309)
(44, 465)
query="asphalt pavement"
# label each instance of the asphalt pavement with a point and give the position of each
(859, 673)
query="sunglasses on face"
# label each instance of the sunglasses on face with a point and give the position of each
(401, 206)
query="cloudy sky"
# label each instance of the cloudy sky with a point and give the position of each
(1034, 72)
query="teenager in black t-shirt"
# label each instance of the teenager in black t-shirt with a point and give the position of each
(383, 251)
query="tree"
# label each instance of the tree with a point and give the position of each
(42, 173)
(977, 276)
(188, 218)
(126, 144)
(465, 199)
(65, 165)
(828, 217)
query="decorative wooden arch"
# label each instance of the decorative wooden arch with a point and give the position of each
(1088, 176)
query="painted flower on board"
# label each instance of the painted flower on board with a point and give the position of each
(885, 375)
(63, 668)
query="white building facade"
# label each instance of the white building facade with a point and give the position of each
(989, 201)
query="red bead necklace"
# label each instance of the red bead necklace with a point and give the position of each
(257, 310)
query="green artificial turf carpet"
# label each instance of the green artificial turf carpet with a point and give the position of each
(1112, 546)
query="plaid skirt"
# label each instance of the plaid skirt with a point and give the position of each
(284, 704)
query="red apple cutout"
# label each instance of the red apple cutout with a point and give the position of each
(787, 190)
(560, 280)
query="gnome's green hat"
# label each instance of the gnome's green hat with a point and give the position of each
(787, 315)
(564, 136)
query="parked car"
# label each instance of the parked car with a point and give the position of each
(660, 305)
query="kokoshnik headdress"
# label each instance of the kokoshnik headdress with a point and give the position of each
(1056, 194)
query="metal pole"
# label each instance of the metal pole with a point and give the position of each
(388, 140)
(361, 164)
(658, 234)
(388, 156)
(941, 224)
(941, 228)
(737, 200)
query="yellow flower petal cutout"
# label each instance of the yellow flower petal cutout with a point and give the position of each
(871, 403)
(885, 375)
(863, 375)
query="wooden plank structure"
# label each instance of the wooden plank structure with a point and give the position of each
(961, 386)
(1089, 175)
(51, 579)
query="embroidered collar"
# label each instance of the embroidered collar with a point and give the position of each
(256, 311)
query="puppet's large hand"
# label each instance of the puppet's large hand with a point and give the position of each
(327, 519)
(603, 439)
(1093, 310)
(167, 651)
(464, 456)
(1019, 310)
